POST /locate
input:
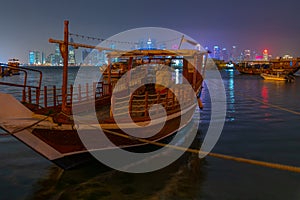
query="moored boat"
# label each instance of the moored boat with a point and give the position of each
(48, 121)
(11, 68)
(278, 75)
(289, 66)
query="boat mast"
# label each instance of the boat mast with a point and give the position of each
(64, 50)
(65, 55)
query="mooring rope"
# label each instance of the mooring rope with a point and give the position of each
(29, 126)
(216, 155)
(275, 106)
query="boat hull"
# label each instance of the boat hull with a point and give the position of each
(63, 145)
(258, 67)
(273, 77)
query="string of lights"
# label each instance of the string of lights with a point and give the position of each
(120, 42)
(100, 39)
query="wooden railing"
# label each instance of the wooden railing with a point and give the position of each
(138, 105)
(52, 96)
(26, 89)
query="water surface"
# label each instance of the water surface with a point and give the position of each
(259, 125)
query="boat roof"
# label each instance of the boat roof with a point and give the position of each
(155, 52)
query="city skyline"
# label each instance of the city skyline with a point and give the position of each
(250, 25)
(77, 56)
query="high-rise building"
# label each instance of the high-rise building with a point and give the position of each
(253, 55)
(43, 60)
(216, 52)
(50, 60)
(34, 58)
(71, 60)
(233, 56)
(58, 57)
(31, 58)
(85, 54)
(225, 55)
(93, 57)
(265, 55)
(37, 58)
(247, 55)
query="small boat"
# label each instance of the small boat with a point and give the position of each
(221, 64)
(45, 119)
(278, 75)
(11, 68)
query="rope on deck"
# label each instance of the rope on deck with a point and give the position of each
(29, 126)
(215, 155)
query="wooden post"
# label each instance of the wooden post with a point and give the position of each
(109, 75)
(173, 98)
(129, 66)
(167, 96)
(112, 106)
(87, 91)
(94, 89)
(101, 88)
(71, 93)
(37, 96)
(65, 55)
(24, 94)
(45, 97)
(79, 92)
(29, 95)
(54, 95)
(195, 72)
(130, 104)
(158, 101)
(146, 104)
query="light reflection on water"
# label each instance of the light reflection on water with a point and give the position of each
(230, 96)
(252, 130)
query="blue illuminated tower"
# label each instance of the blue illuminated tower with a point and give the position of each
(31, 58)
(217, 52)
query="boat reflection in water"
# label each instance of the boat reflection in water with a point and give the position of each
(180, 180)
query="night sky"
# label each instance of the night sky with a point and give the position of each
(256, 25)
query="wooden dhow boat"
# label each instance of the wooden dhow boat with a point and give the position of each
(288, 66)
(44, 117)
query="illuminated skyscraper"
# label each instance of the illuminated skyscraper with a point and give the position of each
(253, 55)
(265, 55)
(50, 60)
(58, 57)
(233, 56)
(43, 60)
(247, 55)
(216, 52)
(37, 58)
(34, 58)
(225, 55)
(71, 60)
(31, 57)
(85, 53)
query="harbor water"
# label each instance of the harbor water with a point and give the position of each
(262, 123)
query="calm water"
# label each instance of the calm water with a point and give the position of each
(253, 129)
